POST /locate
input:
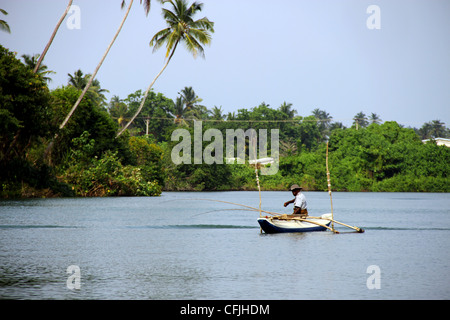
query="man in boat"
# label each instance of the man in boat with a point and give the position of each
(299, 202)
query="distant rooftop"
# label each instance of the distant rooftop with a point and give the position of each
(439, 141)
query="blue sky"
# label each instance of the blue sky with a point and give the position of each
(313, 54)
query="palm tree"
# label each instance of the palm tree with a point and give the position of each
(80, 81)
(324, 120)
(77, 80)
(336, 125)
(231, 116)
(181, 28)
(187, 105)
(189, 97)
(41, 57)
(437, 129)
(3, 24)
(360, 120)
(217, 113)
(31, 62)
(322, 115)
(288, 146)
(286, 109)
(118, 110)
(86, 88)
(374, 118)
(191, 100)
(179, 111)
(97, 92)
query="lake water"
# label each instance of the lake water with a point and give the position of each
(179, 247)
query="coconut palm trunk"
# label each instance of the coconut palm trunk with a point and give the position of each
(86, 88)
(36, 68)
(181, 27)
(147, 92)
(47, 153)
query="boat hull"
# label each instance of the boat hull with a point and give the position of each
(269, 225)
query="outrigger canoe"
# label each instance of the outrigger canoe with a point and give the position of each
(282, 225)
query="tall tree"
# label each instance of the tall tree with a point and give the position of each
(42, 56)
(3, 24)
(360, 120)
(95, 92)
(91, 79)
(25, 113)
(217, 113)
(118, 110)
(324, 120)
(374, 118)
(180, 111)
(190, 98)
(181, 28)
(286, 108)
(43, 71)
(77, 80)
(438, 128)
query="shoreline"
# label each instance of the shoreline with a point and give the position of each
(48, 194)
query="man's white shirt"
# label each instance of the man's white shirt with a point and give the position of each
(300, 200)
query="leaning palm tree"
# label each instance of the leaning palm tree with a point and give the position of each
(41, 57)
(181, 28)
(86, 88)
(3, 24)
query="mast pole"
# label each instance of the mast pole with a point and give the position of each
(329, 190)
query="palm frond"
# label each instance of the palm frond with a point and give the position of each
(3, 24)
(182, 27)
(159, 39)
(193, 46)
(203, 23)
(147, 4)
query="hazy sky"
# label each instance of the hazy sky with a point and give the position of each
(313, 54)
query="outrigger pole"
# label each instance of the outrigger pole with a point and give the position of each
(259, 188)
(329, 189)
(257, 166)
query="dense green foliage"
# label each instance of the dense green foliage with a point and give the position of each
(87, 159)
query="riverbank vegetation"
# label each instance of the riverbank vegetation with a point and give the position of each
(86, 158)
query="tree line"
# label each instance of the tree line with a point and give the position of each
(87, 158)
